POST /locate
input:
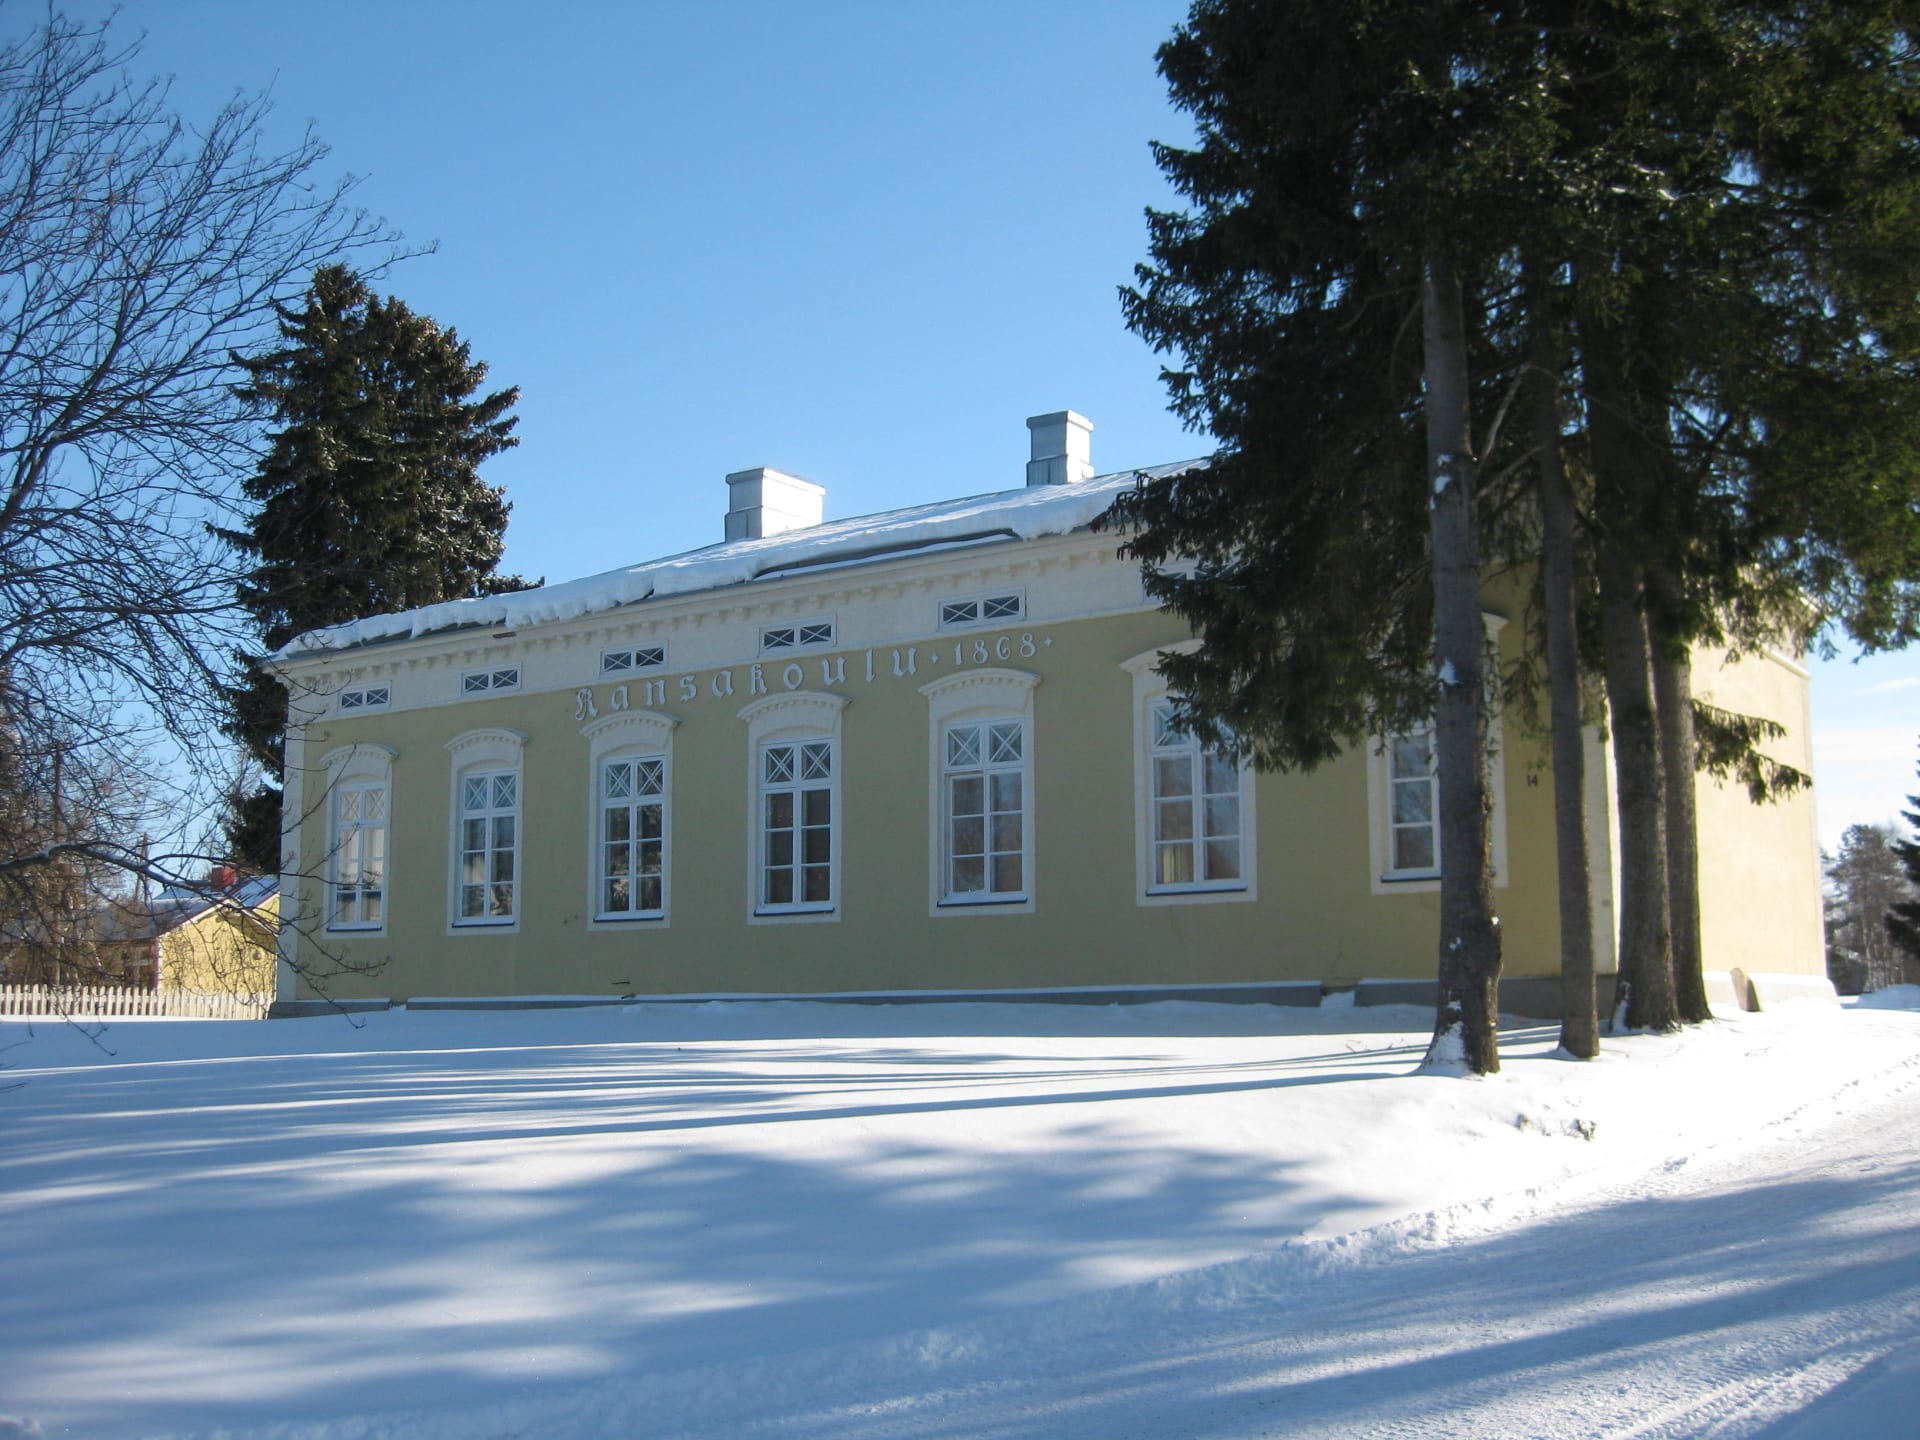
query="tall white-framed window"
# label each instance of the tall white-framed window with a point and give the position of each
(630, 765)
(796, 824)
(984, 790)
(489, 839)
(1194, 833)
(487, 842)
(1413, 805)
(793, 744)
(981, 798)
(1403, 797)
(359, 889)
(1197, 832)
(359, 811)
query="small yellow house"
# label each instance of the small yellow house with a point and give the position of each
(212, 942)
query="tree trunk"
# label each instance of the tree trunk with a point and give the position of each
(1645, 998)
(1579, 1008)
(1673, 693)
(1466, 1027)
(1623, 477)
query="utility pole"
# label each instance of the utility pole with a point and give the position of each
(58, 940)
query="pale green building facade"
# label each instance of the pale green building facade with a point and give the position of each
(924, 751)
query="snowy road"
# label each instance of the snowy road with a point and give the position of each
(1769, 1292)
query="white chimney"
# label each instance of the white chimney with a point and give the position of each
(1062, 448)
(764, 501)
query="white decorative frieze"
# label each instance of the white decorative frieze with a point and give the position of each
(761, 678)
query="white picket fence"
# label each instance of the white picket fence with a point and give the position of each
(90, 1001)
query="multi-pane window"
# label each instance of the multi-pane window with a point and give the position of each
(1196, 808)
(486, 682)
(633, 837)
(796, 825)
(793, 637)
(489, 847)
(1413, 824)
(359, 857)
(633, 657)
(981, 611)
(985, 787)
(369, 697)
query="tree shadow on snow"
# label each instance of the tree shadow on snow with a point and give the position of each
(235, 1242)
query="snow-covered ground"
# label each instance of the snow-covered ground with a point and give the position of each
(958, 1221)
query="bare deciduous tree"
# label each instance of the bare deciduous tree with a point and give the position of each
(138, 255)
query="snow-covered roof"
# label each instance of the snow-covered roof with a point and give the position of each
(1024, 514)
(177, 905)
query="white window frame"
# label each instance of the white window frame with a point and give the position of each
(1388, 879)
(797, 718)
(985, 752)
(361, 698)
(979, 618)
(358, 768)
(493, 680)
(631, 659)
(1150, 689)
(1392, 748)
(977, 697)
(630, 735)
(493, 751)
(822, 629)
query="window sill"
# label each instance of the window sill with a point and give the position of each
(1196, 895)
(792, 914)
(1422, 882)
(960, 902)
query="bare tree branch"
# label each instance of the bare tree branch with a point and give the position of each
(139, 254)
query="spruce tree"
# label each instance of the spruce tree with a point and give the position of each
(1747, 179)
(369, 498)
(1325, 296)
(1697, 213)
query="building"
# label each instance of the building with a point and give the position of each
(216, 939)
(925, 750)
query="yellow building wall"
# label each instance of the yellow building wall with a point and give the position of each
(1317, 916)
(1760, 891)
(227, 950)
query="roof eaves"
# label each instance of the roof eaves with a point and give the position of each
(915, 529)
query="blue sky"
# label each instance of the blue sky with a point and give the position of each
(860, 240)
